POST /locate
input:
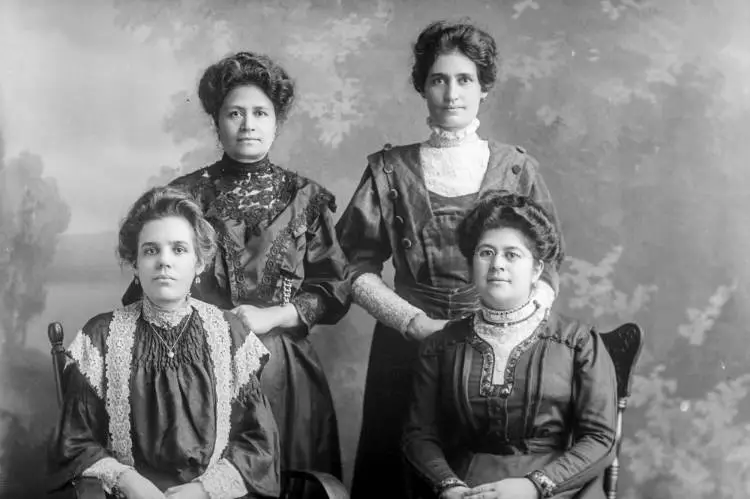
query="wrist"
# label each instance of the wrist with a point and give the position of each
(544, 485)
(288, 316)
(447, 484)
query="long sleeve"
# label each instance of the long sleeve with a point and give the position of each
(595, 406)
(422, 443)
(79, 439)
(383, 303)
(324, 295)
(361, 231)
(538, 191)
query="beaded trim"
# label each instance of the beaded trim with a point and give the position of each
(219, 341)
(89, 360)
(117, 361)
(450, 138)
(448, 483)
(508, 317)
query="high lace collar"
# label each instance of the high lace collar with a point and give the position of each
(230, 166)
(165, 319)
(509, 317)
(441, 137)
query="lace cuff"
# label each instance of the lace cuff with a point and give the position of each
(310, 308)
(370, 292)
(223, 481)
(448, 483)
(108, 471)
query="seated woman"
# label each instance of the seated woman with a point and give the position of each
(515, 401)
(162, 397)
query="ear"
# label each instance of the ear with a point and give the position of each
(199, 268)
(538, 269)
(483, 96)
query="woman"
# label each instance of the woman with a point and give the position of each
(407, 207)
(163, 394)
(513, 401)
(279, 266)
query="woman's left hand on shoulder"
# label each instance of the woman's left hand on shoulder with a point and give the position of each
(192, 490)
(510, 488)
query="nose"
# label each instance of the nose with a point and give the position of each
(498, 263)
(165, 259)
(451, 91)
(247, 123)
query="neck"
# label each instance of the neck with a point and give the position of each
(230, 164)
(167, 314)
(443, 137)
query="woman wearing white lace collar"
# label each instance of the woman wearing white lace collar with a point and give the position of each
(162, 397)
(407, 207)
(514, 401)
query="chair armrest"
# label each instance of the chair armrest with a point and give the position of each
(89, 488)
(333, 488)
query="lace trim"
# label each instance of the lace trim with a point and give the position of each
(455, 171)
(89, 361)
(452, 138)
(501, 347)
(119, 355)
(271, 271)
(219, 341)
(165, 319)
(384, 304)
(108, 471)
(223, 481)
(248, 360)
(310, 307)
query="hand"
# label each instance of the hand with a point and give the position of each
(193, 490)
(454, 493)
(262, 320)
(421, 326)
(510, 488)
(136, 486)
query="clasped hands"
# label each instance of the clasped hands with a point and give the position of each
(510, 488)
(133, 485)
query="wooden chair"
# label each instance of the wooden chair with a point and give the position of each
(624, 346)
(295, 484)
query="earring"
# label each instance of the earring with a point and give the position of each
(197, 279)
(135, 280)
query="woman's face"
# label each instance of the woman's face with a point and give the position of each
(247, 124)
(452, 91)
(167, 261)
(504, 268)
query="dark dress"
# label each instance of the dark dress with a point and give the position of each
(393, 215)
(277, 245)
(555, 411)
(173, 419)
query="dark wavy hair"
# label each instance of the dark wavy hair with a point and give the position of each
(502, 209)
(444, 37)
(158, 203)
(246, 68)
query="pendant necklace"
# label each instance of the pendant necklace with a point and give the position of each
(170, 349)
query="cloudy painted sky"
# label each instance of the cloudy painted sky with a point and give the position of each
(88, 97)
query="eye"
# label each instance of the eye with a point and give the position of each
(149, 251)
(485, 253)
(260, 112)
(437, 80)
(234, 114)
(180, 250)
(465, 79)
(512, 255)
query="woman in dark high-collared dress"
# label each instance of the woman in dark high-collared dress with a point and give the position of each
(279, 267)
(406, 208)
(513, 401)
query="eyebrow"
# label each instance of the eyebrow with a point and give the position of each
(487, 245)
(448, 74)
(172, 243)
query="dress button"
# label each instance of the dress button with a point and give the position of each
(406, 242)
(399, 220)
(388, 146)
(393, 194)
(516, 169)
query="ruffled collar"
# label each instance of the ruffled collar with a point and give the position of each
(504, 318)
(230, 166)
(452, 138)
(165, 319)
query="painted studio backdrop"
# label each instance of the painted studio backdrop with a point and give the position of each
(638, 111)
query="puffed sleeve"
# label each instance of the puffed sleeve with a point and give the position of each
(532, 182)
(79, 438)
(251, 460)
(595, 411)
(421, 441)
(324, 295)
(361, 231)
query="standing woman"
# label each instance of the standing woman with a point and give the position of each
(279, 267)
(407, 207)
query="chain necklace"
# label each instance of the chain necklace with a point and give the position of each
(170, 349)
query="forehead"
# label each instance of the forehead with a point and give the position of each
(247, 96)
(165, 230)
(505, 237)
(453, 63)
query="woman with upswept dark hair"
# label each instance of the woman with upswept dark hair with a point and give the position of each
(162, 397)
(279, 267)
(515, 400)
(406, 208)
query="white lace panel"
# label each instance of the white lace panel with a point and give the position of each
(89, 360)
(108, 471)
(455, 171)
(247, 362)
(223, 481)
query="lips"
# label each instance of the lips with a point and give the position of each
(164, 278)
